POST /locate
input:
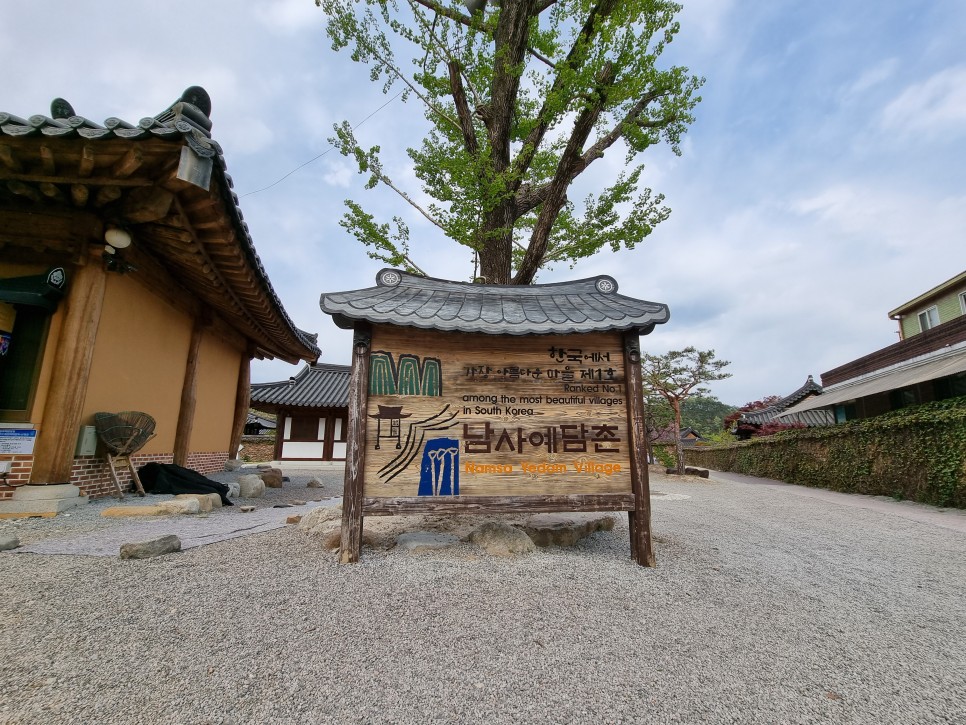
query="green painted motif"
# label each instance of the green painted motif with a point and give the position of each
(382, 374)
(409, 377)
(432, 377)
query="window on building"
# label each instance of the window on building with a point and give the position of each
(903, 397)
(928, 319)
(304, 428)
(962, 302)
(952, 386)
(23, 332)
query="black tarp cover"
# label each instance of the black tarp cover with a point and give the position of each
(169, 478)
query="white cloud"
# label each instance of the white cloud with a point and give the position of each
(936, 105)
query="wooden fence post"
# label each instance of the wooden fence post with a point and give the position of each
(640, 518)
(351, 543)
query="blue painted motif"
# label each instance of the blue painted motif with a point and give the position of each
(439, 474)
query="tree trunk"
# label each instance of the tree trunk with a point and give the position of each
(678, 447)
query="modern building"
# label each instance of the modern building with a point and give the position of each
(928, 363)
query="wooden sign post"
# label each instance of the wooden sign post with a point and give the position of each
(494, 399)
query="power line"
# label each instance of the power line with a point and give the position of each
(316, 158)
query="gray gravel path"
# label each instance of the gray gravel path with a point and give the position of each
(765, 607)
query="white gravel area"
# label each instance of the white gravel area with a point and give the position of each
(765, 607)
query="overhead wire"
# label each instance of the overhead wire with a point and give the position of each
(316, 158)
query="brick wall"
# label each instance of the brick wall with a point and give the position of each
(93, 475)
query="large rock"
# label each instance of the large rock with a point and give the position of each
(700, 472)
(315, 482)
(154, 547)
(564, 529)
(251, 486)
(204, 503)
(233, 464)
(8, 541)
(501, 539)
(234, 490)
(321, 516)
(272, 477)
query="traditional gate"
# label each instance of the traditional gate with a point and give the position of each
(468, 398)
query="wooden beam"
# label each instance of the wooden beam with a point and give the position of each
(86, 165)
(128, 163)
(146, 204)
(355, 459)
(639, 519)
(52, 191)
(242, 400)
(107, 194)
(80, 194)
(9, 158)
(186, 412)
(496, 504)
(21, 189)
(47, 163)
(54, 449)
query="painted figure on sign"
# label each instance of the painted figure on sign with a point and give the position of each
(439, 474)
(393, 414)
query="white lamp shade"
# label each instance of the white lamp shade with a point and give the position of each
(117, 238)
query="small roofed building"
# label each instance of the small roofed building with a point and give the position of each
(128, 282)
(750, 420)
(259, 424)
(312, 413)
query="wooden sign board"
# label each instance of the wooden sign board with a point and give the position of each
(460, 422)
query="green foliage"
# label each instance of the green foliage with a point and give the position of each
(705, 414)
(678, 375)
(665, 455)
(521, 98)
(917, 453)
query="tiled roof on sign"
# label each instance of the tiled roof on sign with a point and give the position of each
(586, 305)
(315, 386)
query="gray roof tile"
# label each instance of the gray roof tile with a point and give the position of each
(321, 385)
(586, 305)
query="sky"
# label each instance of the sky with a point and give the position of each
(822, 184)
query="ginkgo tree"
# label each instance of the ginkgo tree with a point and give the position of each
(522, 98)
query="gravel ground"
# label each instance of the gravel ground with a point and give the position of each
(766, 606)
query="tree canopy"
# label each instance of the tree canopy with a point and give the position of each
(522, 97)
(678, 375)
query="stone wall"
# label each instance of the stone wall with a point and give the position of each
(257, 449)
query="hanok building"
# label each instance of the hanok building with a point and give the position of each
(312, 410)
(128, 282)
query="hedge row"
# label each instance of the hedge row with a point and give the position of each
(918, 453)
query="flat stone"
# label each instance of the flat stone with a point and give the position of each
(246, 509)
(294, 519)
(152, 547)
(564, 529)
(43, 492)
(501, 539)
(298, 503)
(44, 507)
(700, 472)
(204, 503)
(8, 541)
(122, 511)
(419, 542)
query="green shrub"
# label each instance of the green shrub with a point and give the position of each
(665, 455)
(917, 453)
